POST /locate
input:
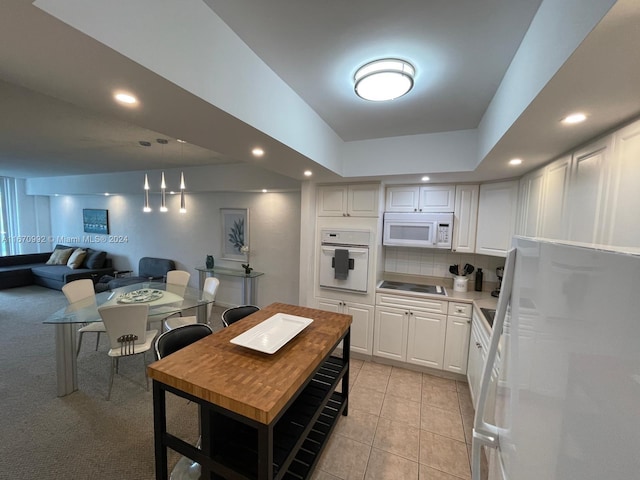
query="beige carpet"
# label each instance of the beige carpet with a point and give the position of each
(80, 436)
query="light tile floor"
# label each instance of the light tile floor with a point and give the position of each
(402, 425)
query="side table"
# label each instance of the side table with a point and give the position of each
(248, 282)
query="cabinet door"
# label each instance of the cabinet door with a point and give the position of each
(332, 201)
(402, 199)
(390, 338)
(587, 184)
(437, 198)
(361, 327)
(456, 345)
(623, 229)
(531, 193)
(475, 362)
(465, 218)
(554, 201)
(329, 305)
(426, 339)
(497, 208)
(363, 200)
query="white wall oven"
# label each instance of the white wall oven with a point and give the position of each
(344, 259)
(424, 230)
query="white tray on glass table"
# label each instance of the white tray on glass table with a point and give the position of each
(270, 335)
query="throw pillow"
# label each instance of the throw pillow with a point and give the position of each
(76, 258)
(60, 256)
(95, 259)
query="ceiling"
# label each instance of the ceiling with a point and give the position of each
(56, 120)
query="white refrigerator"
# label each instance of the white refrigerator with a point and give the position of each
(560, 392)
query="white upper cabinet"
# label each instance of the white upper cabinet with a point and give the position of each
(497, 208)
(587, 190)
(531, 192)
(349, 200)
(553, 222)
(622, 227)
(412, 198)
(465, 218)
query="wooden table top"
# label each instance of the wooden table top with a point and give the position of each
(251, 383)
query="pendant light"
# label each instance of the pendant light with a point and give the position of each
(183, 207)
(146, 208)
(163, 188)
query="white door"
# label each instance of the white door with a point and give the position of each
(456, 345)
(465, 218)
(426, 339)
(361, 327)
(587, 191)
(390, 339)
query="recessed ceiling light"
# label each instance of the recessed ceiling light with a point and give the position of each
(515, 161)
(384, 79)
(106, 194)
(180, 141)
(257, 152)
(425, 179)
(125, 98)
(264, 190)
(574, 118)
(308, 173)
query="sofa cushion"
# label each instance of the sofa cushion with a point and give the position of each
(60, 256)
(54, 272)
(76, 258)
(95, 258)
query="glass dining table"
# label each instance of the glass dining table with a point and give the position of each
(163, 300)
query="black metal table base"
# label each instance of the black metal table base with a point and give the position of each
(234, 447)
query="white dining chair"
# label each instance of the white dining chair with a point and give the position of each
(128, 335)
(79, 290)
(210, 289)
(177, 281)
(178, 277)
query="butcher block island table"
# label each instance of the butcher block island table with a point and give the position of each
(262, 416)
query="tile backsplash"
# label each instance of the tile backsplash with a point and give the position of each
(435, 263)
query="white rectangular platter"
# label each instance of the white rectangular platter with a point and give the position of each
(271, 334)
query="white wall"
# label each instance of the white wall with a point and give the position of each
(274, 236)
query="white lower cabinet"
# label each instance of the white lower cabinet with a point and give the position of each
(478, 345)
(390, 333)
(426, 339)
(361, 326)
(456, 346)
(427, 332)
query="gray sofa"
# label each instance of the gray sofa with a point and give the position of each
(29, 269)
(149, 269)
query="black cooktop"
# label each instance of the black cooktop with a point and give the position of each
(413, 287)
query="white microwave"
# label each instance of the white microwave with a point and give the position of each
(424, 230)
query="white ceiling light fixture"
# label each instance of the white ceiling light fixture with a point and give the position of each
(515, 161)
(257, 152)
(574, 118)
(425, 178)
(125, 98)
(308, 173)
(384, 79)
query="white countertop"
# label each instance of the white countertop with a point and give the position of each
(478, 299)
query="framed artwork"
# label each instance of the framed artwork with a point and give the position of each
(235, 234)
(95, 221)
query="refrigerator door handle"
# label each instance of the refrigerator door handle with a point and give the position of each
(486, 434)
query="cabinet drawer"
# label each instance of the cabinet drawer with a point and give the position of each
(412, 303)
(458, 309)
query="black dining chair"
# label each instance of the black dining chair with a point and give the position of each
(233, 314)
(179, 337)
